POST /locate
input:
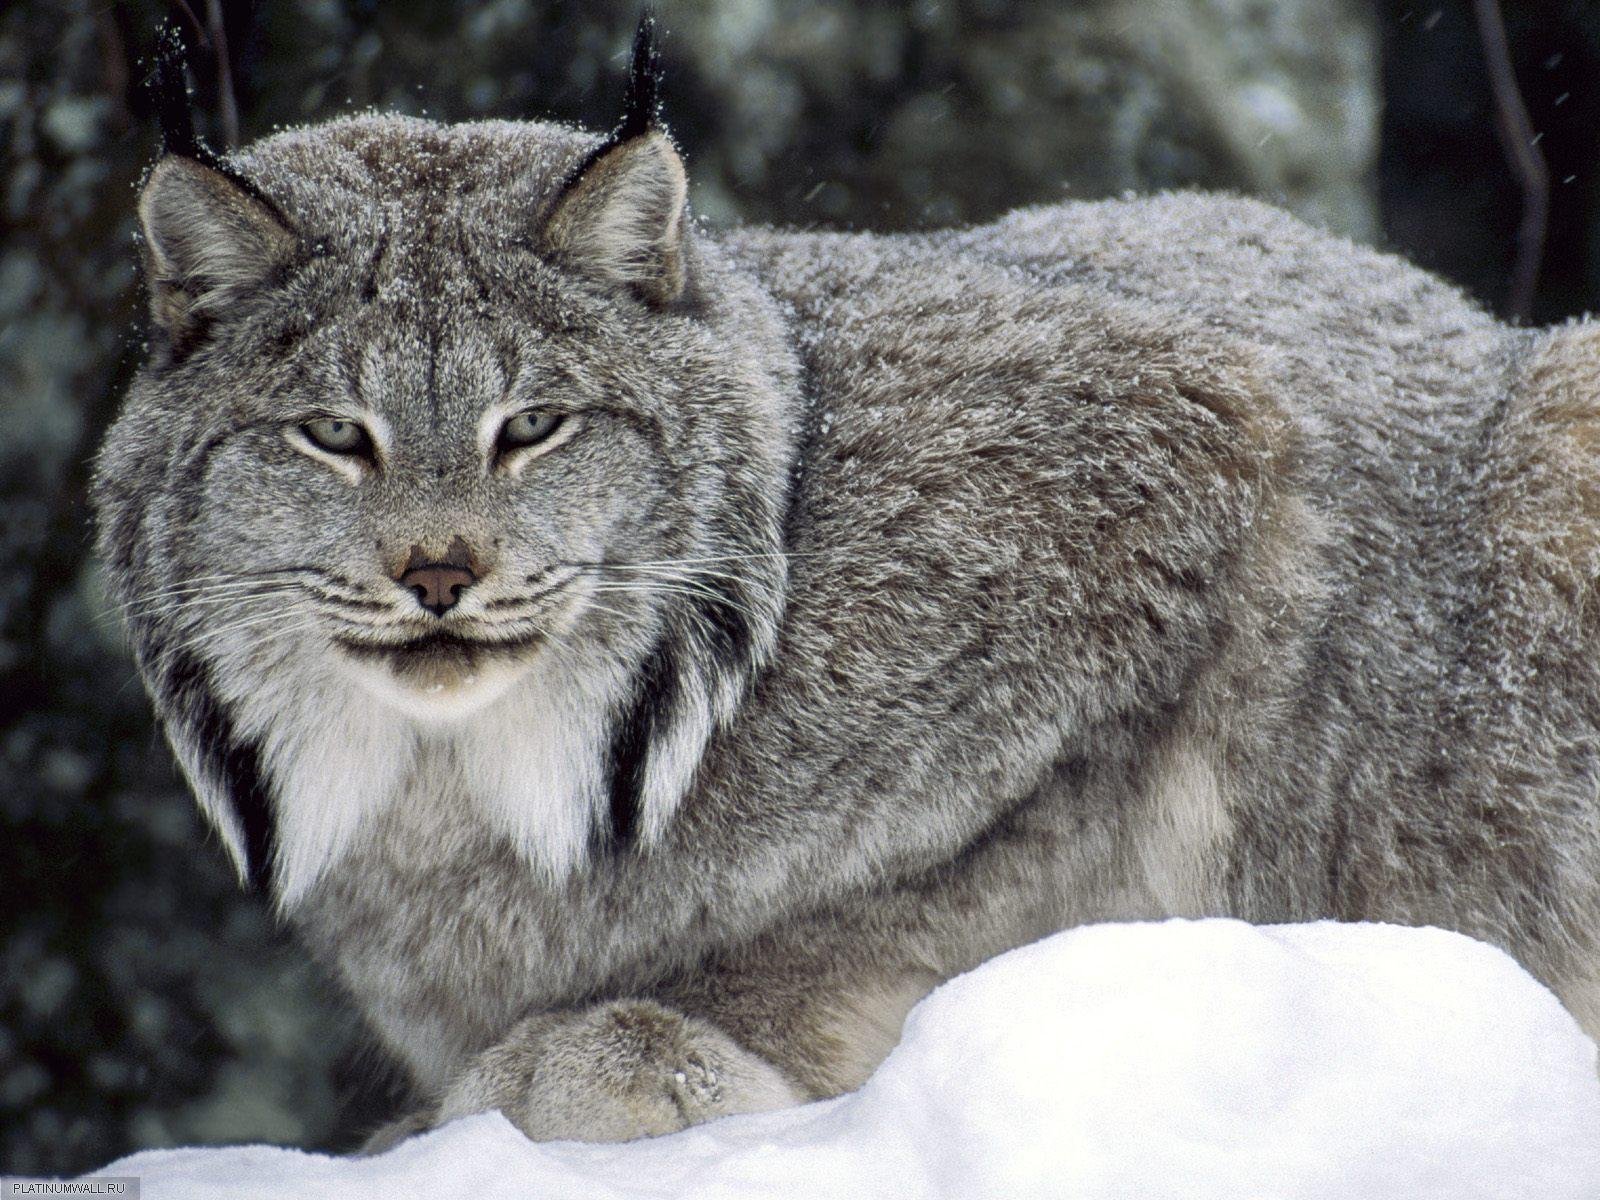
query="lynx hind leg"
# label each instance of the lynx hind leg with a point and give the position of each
(386, 1137)
(614, 1072)
(1545, 487)
(1577, 985)
(1546, 472)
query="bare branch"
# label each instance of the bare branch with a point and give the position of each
(194, 21)
(1521, 147)
(226, 100)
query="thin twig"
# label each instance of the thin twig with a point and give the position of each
(115, 58)
(226, 100)
(194, 21)
(1521, 147)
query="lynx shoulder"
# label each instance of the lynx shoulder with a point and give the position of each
(641, 661)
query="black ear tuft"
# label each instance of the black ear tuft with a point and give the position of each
(641, 104)
(169, 93)
(621, 216)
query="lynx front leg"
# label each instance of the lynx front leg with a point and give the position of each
(806, 1012)
(617, 1071)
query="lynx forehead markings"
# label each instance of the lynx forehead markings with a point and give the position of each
(862, 615)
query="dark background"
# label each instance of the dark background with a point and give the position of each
(143, 1000)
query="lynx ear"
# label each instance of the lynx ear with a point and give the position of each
(208, 241)
(622, 218)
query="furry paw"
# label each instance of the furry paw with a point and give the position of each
(618, 1071)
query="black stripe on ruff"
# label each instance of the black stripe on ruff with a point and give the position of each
(230, 762)
(725, 623)
(648, 714)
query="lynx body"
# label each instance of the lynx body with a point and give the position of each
(643, 661)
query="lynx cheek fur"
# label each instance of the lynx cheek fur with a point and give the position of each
(643, 662)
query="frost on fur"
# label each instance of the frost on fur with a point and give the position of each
(207, 242)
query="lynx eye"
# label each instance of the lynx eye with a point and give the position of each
(337, 436)
(529, 428)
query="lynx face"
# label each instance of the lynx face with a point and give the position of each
(436, 508)
(443, 456)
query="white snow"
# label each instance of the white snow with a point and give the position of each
(1187, 1059)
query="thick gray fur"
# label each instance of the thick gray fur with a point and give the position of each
(1113, 561)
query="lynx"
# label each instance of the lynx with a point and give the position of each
(641, 661)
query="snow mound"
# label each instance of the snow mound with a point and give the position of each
(1187, 1059)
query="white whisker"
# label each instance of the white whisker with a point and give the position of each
(253, 621)
(185, 604)
(695, 573)
(591, 604)
(649, 587)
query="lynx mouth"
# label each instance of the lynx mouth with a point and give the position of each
(440, 674)
(441, 660)
(433, 651)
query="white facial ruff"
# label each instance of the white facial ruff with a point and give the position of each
(526, 745)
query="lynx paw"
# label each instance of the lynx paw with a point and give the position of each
(615, 1072)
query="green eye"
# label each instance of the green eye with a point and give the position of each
(336, 436)
(529, 428)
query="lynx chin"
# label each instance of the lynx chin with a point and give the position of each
(641, 661)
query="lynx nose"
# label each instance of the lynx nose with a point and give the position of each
(438, 586)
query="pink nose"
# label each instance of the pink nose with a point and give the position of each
(438, 586)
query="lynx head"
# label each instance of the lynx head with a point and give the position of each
(457, 459)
